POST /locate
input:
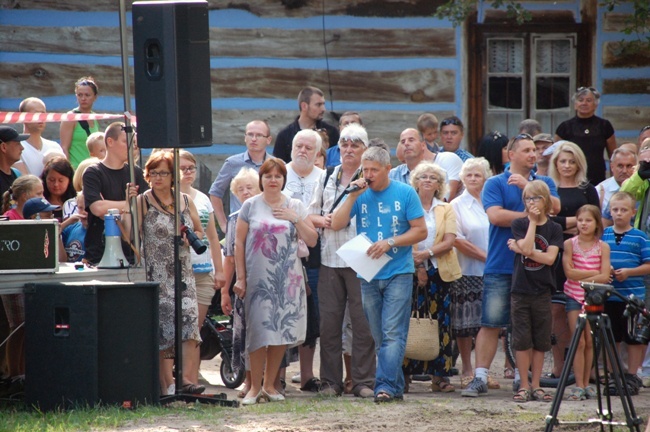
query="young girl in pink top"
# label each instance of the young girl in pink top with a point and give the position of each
(585, 259)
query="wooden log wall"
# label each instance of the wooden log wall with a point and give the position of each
(388, 59)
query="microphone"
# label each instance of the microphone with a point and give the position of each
(352, 188)
(355, 188)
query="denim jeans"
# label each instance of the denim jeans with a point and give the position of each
(387, 305)
(496, 300)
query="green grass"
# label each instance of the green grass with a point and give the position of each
(103, 418)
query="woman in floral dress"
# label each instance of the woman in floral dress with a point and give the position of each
(270, 277)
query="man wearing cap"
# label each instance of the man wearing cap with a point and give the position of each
(542, 143)
(10, 151)
(338, 285)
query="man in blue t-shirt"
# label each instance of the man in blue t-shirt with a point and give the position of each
(391, 215)
(503, 203)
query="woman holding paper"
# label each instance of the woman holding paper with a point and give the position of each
(436, 268)
(270, 277)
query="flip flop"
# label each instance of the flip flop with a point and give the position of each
(382, 397)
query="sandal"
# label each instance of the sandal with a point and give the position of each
(464, 381)
(576, 394)
(590, 392)
(523, 395)
(541, 395)
(193, 388)
(441, 384)
(312, 385)
(492, 383)
(509, 373)
(382, 396)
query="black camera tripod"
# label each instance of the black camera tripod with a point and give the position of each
(603, 342)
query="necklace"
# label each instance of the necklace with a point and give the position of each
(169, 208)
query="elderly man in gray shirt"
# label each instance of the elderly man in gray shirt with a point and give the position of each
(257, 138)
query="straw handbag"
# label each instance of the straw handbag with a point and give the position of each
(422, 342)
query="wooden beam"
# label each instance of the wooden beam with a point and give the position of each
(625, 55)
(261, 42)
(627, 86)
(265, 8)
(18, 80)
(626, 117)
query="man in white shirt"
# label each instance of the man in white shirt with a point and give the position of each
(302, 178)
(35, 147)
(622, 163)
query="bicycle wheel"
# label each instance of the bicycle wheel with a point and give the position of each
(547, 379)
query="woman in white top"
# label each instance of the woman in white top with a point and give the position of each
(207, 267)
(471, 243)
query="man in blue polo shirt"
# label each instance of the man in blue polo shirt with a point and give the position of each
(257, 138)
(503, 203)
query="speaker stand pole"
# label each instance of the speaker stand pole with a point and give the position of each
(179, 286)
(126, 89)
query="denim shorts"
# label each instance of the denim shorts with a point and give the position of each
(496, 300)
(572, 305)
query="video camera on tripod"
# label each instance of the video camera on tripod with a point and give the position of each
(635, 310)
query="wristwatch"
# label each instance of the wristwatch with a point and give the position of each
(391, 242)
(431, 253)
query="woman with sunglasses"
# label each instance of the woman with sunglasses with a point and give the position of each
(73, 134)
(590, 132)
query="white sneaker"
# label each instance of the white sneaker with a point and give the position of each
(296, 378)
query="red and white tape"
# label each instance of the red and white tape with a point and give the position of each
(23, 117)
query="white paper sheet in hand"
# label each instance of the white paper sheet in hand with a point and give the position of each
(354, 254)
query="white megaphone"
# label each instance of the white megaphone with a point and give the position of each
(113, 255)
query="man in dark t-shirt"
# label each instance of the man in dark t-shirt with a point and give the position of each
(311, 102)
(10, 151)
(104, 188)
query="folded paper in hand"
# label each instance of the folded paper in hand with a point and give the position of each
(354, 253)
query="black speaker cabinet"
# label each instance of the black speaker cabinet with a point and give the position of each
(91, 343)
(171, 60)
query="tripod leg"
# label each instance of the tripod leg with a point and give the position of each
(632, 420)
(551, 419)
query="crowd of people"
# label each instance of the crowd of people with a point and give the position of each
(480, 242)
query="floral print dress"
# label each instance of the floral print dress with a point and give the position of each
(159, 262)
(276, 300)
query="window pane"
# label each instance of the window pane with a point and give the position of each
(554, 56)
(506, 56)
(505, 92)
(552, 93)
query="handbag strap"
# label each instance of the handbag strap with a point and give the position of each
(426, 303)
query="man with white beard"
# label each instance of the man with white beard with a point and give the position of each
(302, 178)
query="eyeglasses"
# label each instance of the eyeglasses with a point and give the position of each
(255, 135)
(432, 178)
(162, 174)
(451, 121)
(533, 199)
(188, 169)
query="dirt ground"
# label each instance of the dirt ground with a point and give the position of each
(420, 411)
